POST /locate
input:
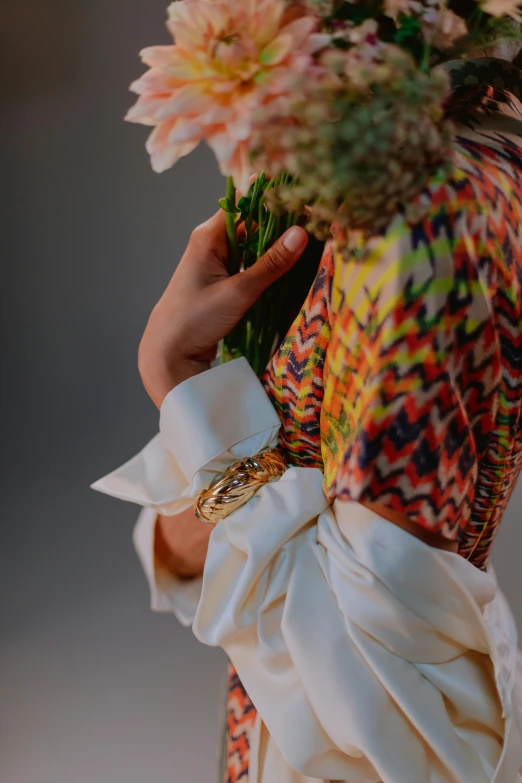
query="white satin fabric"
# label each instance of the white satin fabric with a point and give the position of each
(369, 655)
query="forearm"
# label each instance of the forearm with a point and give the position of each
(181, 543)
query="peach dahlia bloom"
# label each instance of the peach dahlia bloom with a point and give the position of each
(229, 58)
(503, 8)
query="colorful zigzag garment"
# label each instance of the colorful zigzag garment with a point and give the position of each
(402, 376)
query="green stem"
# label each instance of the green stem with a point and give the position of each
(425, 63)
(267, 238)
(254, 336)
(277, 227)
(255, 194)
(231, 228)
(475, 19)
(260, 224)
(249, 256)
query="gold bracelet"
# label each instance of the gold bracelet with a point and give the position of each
(240, 482)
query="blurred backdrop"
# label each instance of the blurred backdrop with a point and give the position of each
(94, 687)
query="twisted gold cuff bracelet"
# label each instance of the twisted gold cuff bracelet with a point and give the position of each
(240, 482)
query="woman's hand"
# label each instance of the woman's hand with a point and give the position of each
(202, 303)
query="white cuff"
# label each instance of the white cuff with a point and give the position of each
(207, 423)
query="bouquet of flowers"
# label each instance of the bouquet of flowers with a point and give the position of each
(334, 108)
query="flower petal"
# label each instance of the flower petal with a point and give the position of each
(190, 99)
(144, 110)
(240, 168)
(501, 8)
(317, 41)
(162, 154)
(215, 15)
(277, 50)
(185, 130)
(223, 146)
(266, 23)
(223, 86)
(189, 27)
(300, 29)
(217, 114)
(153, 82)
(185, 35)
(157, 56)
(180, 14)
(186, 70)
(241, 128)
(177, 11)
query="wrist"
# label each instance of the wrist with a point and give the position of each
(181, 543)
(162, 381)
(184, 368)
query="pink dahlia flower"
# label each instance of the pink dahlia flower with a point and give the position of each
(229, 58)
(441, 26)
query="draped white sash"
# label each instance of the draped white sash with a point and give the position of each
(369, 655)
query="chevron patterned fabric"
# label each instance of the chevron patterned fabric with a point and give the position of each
(402, 376)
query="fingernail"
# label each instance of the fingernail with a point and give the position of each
(294, 239)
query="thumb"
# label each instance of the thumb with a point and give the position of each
(277, 260)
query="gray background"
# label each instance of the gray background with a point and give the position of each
(94, 688)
